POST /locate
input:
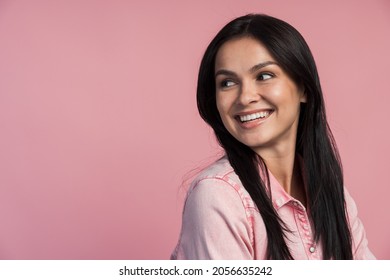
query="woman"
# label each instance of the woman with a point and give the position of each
(278, 192)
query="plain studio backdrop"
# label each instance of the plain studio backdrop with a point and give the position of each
(99, 126)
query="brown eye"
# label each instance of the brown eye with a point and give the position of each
(264, 76)
(227, 83)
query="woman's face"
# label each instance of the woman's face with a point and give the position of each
(258, 102)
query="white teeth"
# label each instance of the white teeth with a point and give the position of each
(254, 116)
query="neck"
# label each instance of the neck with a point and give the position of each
(287, 171)
(283, 170)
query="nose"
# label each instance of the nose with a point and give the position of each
(248, 94)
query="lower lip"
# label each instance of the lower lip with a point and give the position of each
(253, 123)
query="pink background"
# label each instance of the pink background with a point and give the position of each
(99, 125)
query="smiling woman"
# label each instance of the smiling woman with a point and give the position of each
(278, 192)
(258, 103)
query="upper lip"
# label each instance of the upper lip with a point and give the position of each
(252, 112)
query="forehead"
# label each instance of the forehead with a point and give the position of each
(243, 52)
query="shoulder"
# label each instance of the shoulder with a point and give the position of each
(359, 239)
(220, 182)
(218, 169)
(350, 204)
(216, 220)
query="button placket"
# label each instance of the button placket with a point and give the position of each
(301, 216)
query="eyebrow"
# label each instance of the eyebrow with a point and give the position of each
(251, 70)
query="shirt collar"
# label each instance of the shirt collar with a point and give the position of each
(279, 196)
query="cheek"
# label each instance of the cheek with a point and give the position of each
(274, 92)
(282, 96)
(222, 105)
(223, 110)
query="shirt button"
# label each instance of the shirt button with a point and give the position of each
(312, 249)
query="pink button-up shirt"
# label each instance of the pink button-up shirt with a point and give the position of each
(221, 221)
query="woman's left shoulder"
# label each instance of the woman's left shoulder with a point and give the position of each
(350, 203)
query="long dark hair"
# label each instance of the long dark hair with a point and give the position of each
(315, 144)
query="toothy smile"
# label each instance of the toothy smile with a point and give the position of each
(254, 116)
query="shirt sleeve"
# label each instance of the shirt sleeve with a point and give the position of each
(360, 248)
(215, 224)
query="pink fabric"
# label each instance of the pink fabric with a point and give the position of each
(220, 221)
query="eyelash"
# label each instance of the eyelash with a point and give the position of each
(260, 77)
(223, 84)
(265, 74)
